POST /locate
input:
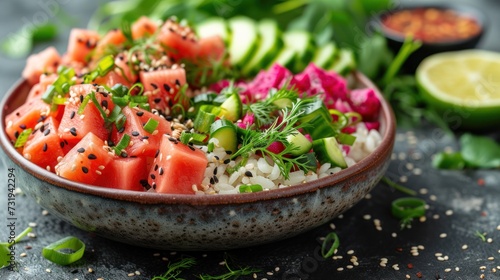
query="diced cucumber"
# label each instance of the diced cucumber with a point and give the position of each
(318, 120)
(270, 46)
(326, 55)
(214, 26)
(225, 132)
(345, 63)
(203, 121)
(302, 43)
(286, 58)
(328, 150)
(300, 142)
(245, 40)
(232, 108)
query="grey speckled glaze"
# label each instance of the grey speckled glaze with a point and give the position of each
(188, 222)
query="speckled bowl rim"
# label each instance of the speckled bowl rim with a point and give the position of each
(387, 122)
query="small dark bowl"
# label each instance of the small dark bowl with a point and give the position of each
(395, 40)
(199, 222)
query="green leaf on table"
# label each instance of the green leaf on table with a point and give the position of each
(480, 151)
(20, 43)
(449, 161)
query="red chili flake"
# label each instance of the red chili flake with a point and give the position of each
(419, 274)
(410, 265)
(480, 182)
(399, 249)
(484, 213)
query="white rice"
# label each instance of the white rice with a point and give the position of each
(267, 174)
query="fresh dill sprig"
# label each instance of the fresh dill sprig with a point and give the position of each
(175, 269)
(259, 141)
(263, 110)
(231, 274)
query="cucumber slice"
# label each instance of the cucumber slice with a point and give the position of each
(328, 150)
(214, 26)
(298, 140)
(232, 108)
(326, 55)
(245, 40)
(271, 45)
(345, 63)
(286, 58)
(225, 132)
(302, 43)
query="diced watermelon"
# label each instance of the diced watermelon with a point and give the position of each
(142, 143)
(28, 115)
(44, 146)
(38, 89)
(113, 39)
(177, 167)
(75, 126)
(143, 27)
(46, 61)
(125, 173)
(81, 43)
(121, 62)
(211, 48)
(179, 41)
(162, 87)
(86, 161)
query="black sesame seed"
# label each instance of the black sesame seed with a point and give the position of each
(145, 137)
(72, 131)
(73, 113)
(123, 154)
(229, 152)
(16, 134)
(153, 185)
(140, 113)
(155, 86)
(226, 161)
(169, 118)
(160, 171)
(85, 169)
(156, 167)
(22, 126)
(248, 174)
(81, 150)
(212, 181)
(166, 87)
(45, 132)
(81, 98)
(104, 103)
(216, 180)
(192, 148)
(45, 147)
(121, 130)
(152, 176)
(157, 152)
(92, 156)
(157, 100)
(215, 170)
(61, 144)
(177, 82)
(217, 157)
(170, 103)
(135, 133)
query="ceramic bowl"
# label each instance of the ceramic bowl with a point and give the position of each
(396, 40)
(189, 222)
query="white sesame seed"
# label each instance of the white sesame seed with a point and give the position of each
(131, 274)
(367, 217)
(447, 270)
(464, 247)
(137, 272)
(32, 224)
(457, 268)
(482, 267)
(441, 259)
(90, 270)
(394, 235)
(491, 258)
(443, 235)
(423, 191)
(45, 212)
(435, 216)
(277, 269)
(270, 273)
(395, 266)
(23, 255)
(403, 179)
(494, 270)
(421, 247)
(368, 196)
(350, 252)
(438, 254)
(449, 212)
(48, 270)
(489, 240)
(417, 171)
(409, 165)
(383, 264)
(349, 266)
(433, 197)
(498, 227)
(31, 235)
(340, 269)
(415, 254)
(422, 219)
(408, 276)
(332, 225)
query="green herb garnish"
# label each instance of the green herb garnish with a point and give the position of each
(57, 251)
(5, 252)
(23, 138)
(329, 245)
(407, 208)
(175, 269)
(231, 274)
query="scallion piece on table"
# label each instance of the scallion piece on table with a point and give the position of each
(408, 208)
(22, 138)
(151, 125)
(329, 245)
(57, 252)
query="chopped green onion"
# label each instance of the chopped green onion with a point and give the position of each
(139, 98)
(120, 101)
(354, 118)
(59, 100)
(119, 90)
(329, 245)
(105, 65)
(138, 85)
(398, 187)
(250, 188)
(120, 121)
(408, 207)
(342, 120)
(22, 138)
(346, 139)
(49, 94)
(56, 252)
(113, 116)
(210, 147)
(122, 144)
(151, 125)
(145, 106)
(482, 236)
(194, 138)
(98, 105)
(83, 104)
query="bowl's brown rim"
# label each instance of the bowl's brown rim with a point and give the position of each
(469, 10)
(381, 153)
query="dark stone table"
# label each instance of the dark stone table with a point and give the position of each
(443, 246)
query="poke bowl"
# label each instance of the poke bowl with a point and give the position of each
(207, 217)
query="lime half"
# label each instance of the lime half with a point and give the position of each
(464, 87)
